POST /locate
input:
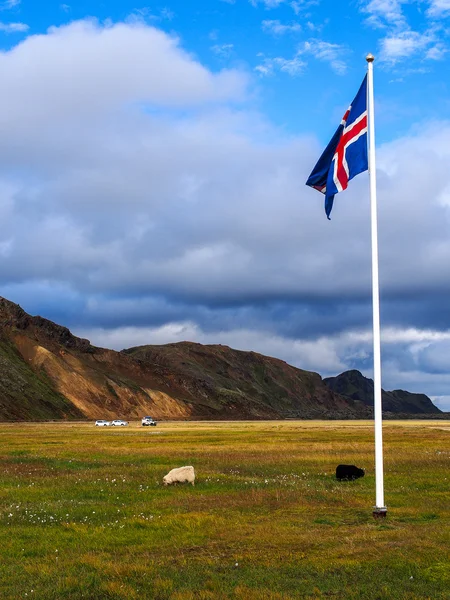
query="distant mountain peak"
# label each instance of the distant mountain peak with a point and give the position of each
(13, 315)
(353, 384)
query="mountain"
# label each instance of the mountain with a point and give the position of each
(47, 373)
(234, 384)
(353, 384)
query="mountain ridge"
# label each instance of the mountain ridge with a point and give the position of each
(47, 373)
(353, 384)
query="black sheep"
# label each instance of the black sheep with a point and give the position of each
(348, 472)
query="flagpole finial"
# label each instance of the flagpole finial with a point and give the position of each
(370, 58)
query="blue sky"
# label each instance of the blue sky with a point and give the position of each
(152, 167)
(308, 55)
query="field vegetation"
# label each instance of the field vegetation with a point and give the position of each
(84, 514)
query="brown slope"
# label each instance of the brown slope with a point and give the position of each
(93, 382)
(69, 378)
(236, 384)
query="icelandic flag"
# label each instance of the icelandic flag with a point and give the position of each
(346, 154)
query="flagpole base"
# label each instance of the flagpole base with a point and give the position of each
(379, 513)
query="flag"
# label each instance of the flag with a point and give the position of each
(346, 154)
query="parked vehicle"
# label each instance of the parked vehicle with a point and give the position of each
(102, 423)
(119, 423)
(148, 421)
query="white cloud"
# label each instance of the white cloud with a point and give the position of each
(404, 44)
(319, 49)
(327, 52)
(438, 8)
(8, 4)
(90, 70)
(300, 5)
(65, 7)
(314, 27)
(277, 28)
(436, 52)
(267, 3)
(167, 14)
(269, 66)
(400, 45)
(384, 13)
(296, 5)
(265, 68)
(13, 27)
(223, 50)
(145, 14)
(393, 335)
(442, 402)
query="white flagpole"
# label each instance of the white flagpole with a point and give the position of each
(379, 509)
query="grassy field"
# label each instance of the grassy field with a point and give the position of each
(83, 512)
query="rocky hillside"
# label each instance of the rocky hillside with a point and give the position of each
(232, 383)
(353, 384)
(48, 373)
(27, 394)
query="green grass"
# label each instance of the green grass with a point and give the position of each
(83, 512)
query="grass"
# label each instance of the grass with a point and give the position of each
(83, 513)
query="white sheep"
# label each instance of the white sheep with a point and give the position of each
(180, 475)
